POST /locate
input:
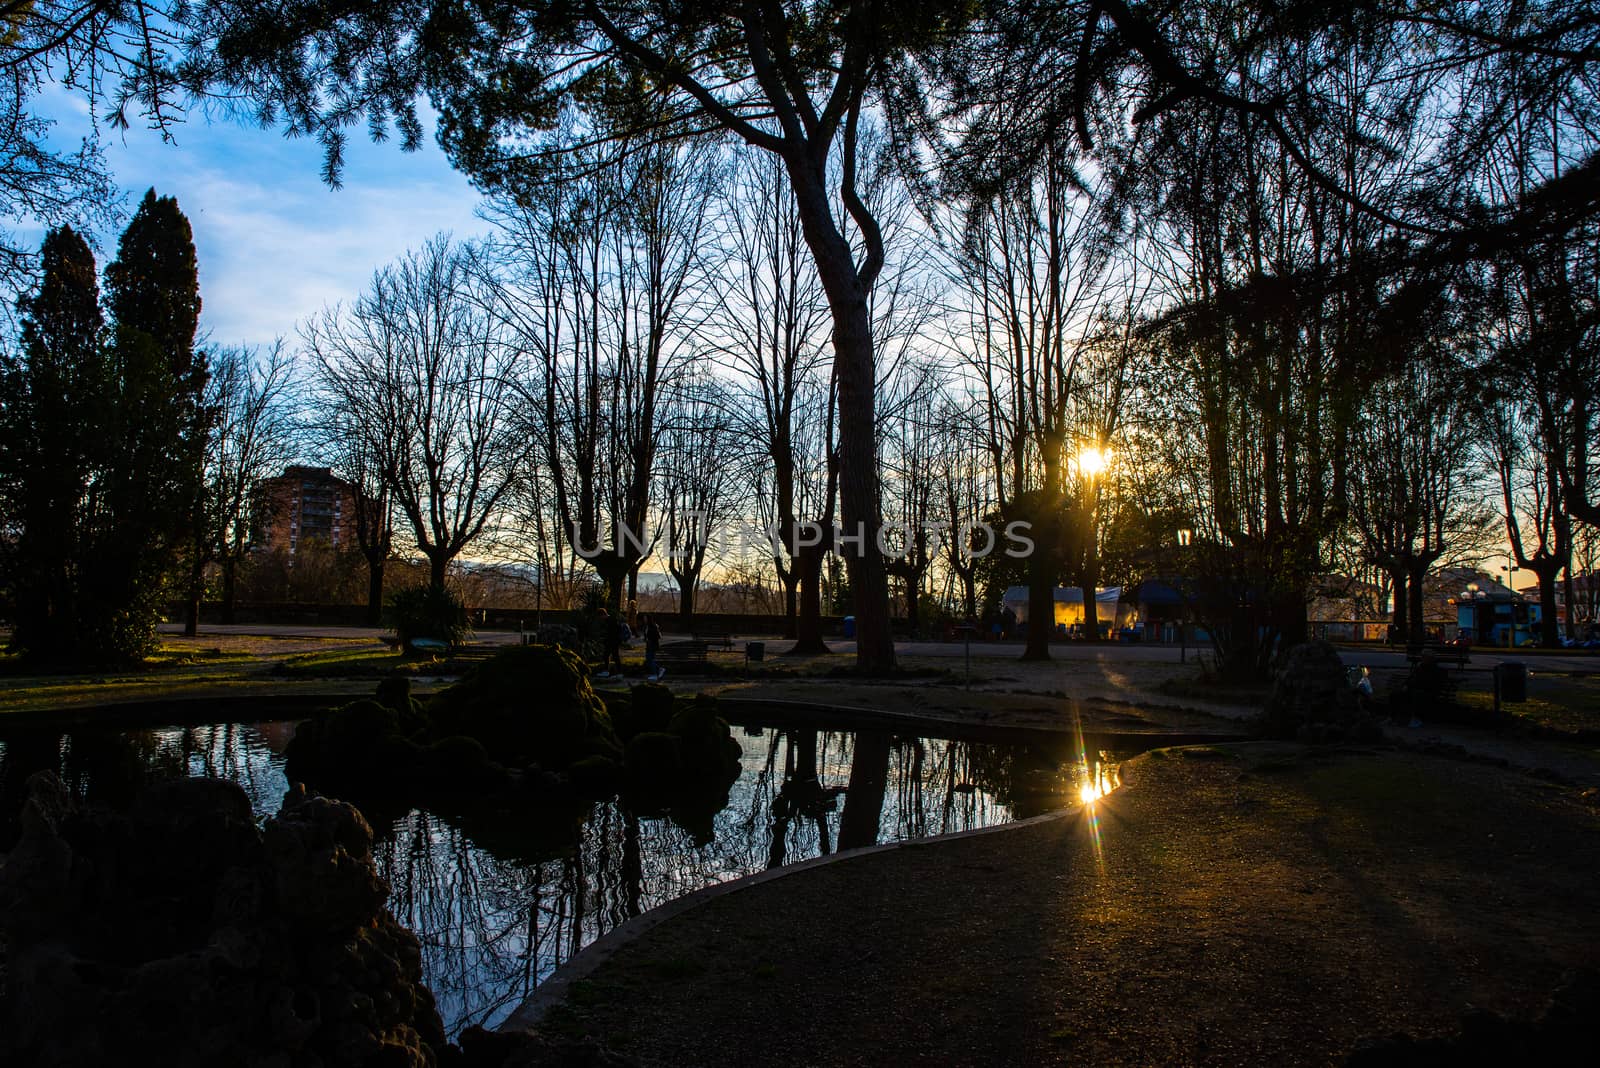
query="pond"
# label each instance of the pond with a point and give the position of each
(499, 905)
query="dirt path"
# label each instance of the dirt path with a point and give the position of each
(1262, 905)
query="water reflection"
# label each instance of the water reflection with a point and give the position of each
(499, 902)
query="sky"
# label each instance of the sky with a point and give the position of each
(275, 243)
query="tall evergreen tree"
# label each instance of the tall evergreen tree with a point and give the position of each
(102, 438)
(159, 423)
(51, 394)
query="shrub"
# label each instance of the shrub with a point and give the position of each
(426, 612)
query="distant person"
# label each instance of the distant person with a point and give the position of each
(615, 633)
(1008, 622)
(652, 647)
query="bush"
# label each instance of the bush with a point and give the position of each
(426, 612)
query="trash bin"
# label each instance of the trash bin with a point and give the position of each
(755, 650)
(1513, 675)
(849, 626)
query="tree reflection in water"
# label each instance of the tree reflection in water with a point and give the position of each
(499, 902)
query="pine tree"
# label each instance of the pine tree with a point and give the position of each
(101, 442)
(158, 425)
(55, 394)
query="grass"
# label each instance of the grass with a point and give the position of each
(346, 663)
(1557, 704)
(210, 665)
(1264, 904)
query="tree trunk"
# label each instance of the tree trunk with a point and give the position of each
(791, 604)
(437, 565)
(855, 372)
(374, 591)
(613, 572)
(1041, 608)
(197, 587)
(1549, 629)
(230, 568)
(1572, 604)
(1402, 607)
(969, 590)
(808, 641)
(1293, 630)
(1091, 612)
(1419, 622)
(686, 588)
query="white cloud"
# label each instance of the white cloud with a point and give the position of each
(275, 243)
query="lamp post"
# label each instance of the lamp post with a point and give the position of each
(1185, 539)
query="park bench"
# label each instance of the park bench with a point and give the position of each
(692, 651)
(712, 634)
(1458, 653)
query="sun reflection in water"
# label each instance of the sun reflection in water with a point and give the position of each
(1098, 781)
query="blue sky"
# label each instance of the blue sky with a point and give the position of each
(275, 244)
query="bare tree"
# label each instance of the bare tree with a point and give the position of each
(911, 444)
(1411, 502)
(253, 434)
(1538, 529)
(774, 314)
(355, 453)
(419, 367)
(611, 263)
(698, 490)
(1034, 267)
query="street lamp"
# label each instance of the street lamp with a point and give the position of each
(1185, 539)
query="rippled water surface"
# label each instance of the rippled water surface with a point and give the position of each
(499, 905)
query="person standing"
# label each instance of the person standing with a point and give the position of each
(652, 646)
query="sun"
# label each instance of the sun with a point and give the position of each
(1092, 461)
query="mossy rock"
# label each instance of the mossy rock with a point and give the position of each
(1311, 698)
(711, 755)
(696, 719)
(462, 764)
(595, 777)
(527, 704)
(654, 762)
(344, 744)
(648, 707)
(410, 714)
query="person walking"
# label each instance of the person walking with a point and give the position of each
(652, 646)
(615, 632)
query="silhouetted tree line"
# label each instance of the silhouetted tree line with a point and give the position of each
(1322, 279)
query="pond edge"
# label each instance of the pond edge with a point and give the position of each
(588, 960)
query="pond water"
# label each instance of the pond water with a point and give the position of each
(499, 905)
